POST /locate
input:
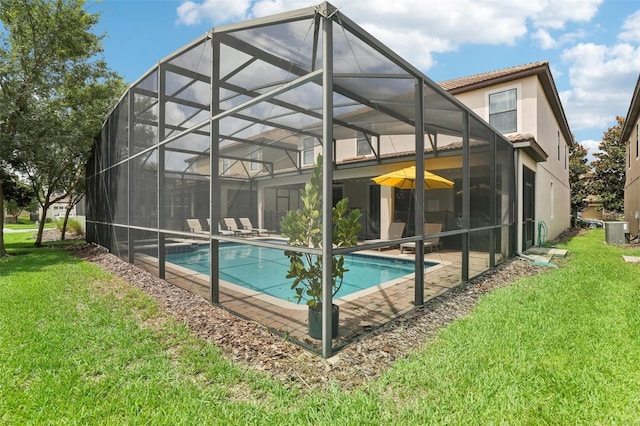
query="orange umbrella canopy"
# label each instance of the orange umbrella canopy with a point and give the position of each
(406, 179)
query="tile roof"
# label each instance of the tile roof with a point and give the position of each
(463, 84)
(540, 69)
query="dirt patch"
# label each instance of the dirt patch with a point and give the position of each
(254, 346)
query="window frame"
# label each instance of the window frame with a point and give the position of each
(514, 111)
(637, 140)
(306, 150)
(254, 166)
(226, 166)
(359, 142)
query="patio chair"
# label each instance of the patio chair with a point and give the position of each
(395, 232)
(246, 224)
(431, 243)
(223, 232)
(194, 225)
(231, 225)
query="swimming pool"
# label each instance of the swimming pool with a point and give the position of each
(264, 269)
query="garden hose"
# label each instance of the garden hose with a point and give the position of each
(542, 233)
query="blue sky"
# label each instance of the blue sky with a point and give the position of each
(592, 46)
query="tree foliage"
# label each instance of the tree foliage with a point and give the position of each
(17, 196)
(609, 168)
(303, 228)
(58, 89)
(578, 179)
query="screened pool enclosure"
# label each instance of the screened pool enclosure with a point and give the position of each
(221, 136)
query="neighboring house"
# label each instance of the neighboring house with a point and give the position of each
(593, 210)
(631, 138)
(58, 209)
(523, 103)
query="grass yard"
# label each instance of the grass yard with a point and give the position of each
(79, 346)
(27, 224)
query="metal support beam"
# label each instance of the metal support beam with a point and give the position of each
(214, 173)
(419, 195)
(130, 169)
(466, 196)
(492, 205)
(327, 183)
(161, 166)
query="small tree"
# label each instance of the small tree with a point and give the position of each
(303, 228)
(17, 195)
(579, 181)
(13, 210)
(609, 168)
(56, 89)
(76, 190)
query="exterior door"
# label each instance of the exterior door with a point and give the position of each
(528, 208)
(372, 222)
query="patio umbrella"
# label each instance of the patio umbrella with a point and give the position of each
(406, 179)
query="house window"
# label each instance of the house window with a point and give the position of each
(254, 165)
(637, 144)
(502, 111)
(307, 150)
(558, 137)
(551, 204)
(226, 165)
(363, 146)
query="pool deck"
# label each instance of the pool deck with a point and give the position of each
(357, 316)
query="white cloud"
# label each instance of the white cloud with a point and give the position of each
(404, 24)
(592, 147)
(631, 28)
(555, 14)
(590, 144)
(212, 11)
(602, 80)
(544, 39)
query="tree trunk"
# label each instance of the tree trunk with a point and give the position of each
(43, 219)
(64, 225)
(3, 251)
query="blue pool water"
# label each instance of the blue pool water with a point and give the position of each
(264, 269)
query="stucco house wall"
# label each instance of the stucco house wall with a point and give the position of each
(535, 117)
(631, 138)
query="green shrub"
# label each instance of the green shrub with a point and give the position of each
(73, 225)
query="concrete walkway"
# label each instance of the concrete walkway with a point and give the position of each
(544, 254)
(13, 231)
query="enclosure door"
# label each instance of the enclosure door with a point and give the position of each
(528, 208)
(372, 223)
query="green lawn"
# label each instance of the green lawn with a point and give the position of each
(27, 224)
(558, 348)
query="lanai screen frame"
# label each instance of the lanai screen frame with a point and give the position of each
(140, 134)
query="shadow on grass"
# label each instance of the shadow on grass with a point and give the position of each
(23, 256)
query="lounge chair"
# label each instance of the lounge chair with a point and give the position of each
(395, 233)
(431, 243)
(231, 225)
(223, 232)
(246, 224)
(194, 225)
